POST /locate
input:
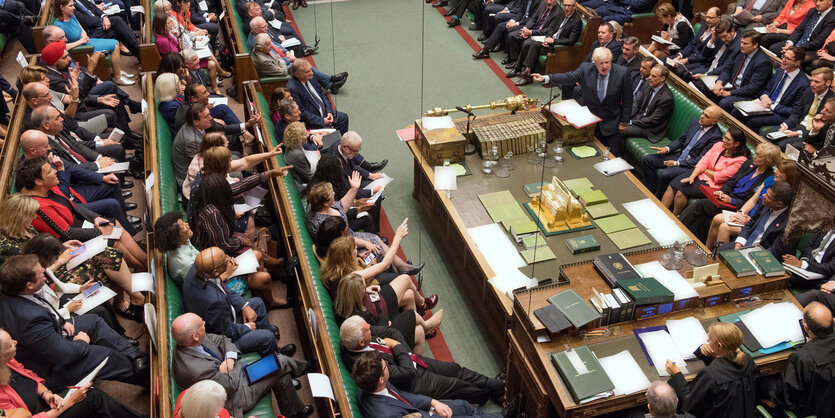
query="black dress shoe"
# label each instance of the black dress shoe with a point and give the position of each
(276, 332)
(482, 38)
(310, 50)
(510, 74)
(375, 167)
(441, 3)
(336, 85)
(130, 206)
(288, 350)
(141, 364)
(497, 48)
(483, 53)
(127, 194)
(134, 219)
(524, 81)
(134, 106)
(339, 77)
(306, 412)
(413, 271)
(474, 27)
(507, 60)
(132, 341)
(511, 64)
(127, 184)
(453, 22)
(296, 384)
(450, 12)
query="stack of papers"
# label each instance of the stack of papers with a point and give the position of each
(775, 323)
(751, 107)
(583, 151)
(500, 253)
(661, 40)
(614, 223)
(613, 166)
(688, 335)
(573, 113)
(657, 222)
(437, 122)
(382, 182)
(727, 214)
(670, 279)
(501, 206)
(660, 347)
(291, 42)
(709, 81)
(625, 373)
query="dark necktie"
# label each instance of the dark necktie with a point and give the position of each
(77, 156)
(384, 349)
(527, 10)
(542, 19)
(807, 33)
(55, 314)
(776, 92)
(739, 70)
(400, 398)
(83, 9)
(601, 87)
(315, 95)
(211, 353)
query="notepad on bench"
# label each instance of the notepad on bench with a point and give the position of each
(613, 166)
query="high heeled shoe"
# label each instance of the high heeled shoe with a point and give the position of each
(415, 270)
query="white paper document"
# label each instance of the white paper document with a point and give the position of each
(89, 378)
(112, 10)
(774, 323)
(727, 214)
(777, 135)
(661, 40)
(312, 159)
(806, 274)
(751, 107)
(660, 348)
(116, 134)
(21, 59)
(791, 152)
(645, 52)
(574, 113)
(151, 322)
(290, 42)
(247, 263)
(688, 334)
(89, 250)
(245, 207)
(668, 234)
(613, 166)
(445, 178)
(538, 39)
(381, 182)
(709, 81)
(648, 213)
(142, 282)
(510, 279)
(624, 372)
(137, 9)
(320, 386)
(100, 296)
(219, 100)
(115, 168)
(670, 279)
(257, 192)
(436, 122)
(276, 24)
(204, 52)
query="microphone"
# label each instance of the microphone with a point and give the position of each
(461, 109)
(548, 103)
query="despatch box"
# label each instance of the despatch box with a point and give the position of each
(437, 145)
(571, 136)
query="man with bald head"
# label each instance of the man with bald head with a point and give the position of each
(201, 355)
(807, 384)
(309, 93)
(242, 320)
(683, 153)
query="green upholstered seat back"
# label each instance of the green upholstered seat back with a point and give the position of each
(683, 114)
(240, 23)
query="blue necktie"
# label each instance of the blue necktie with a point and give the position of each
(776, 92)
(758, 229)
(693, 141)
(83, 9)
(601, 87)
(807, 33)
(636, 94)
(211, 353)
(527, 9)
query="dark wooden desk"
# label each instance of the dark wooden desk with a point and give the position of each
(447, 220)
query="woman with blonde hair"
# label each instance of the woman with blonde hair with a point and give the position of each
(204, 399)
(22, 388)
(726, 386)
(295, 136)
(677, 29)
(322, 205)
(375, 306)
(721, 231)
(168, 90)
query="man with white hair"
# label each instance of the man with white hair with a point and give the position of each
(662, 401)
(348, 150)
(606, 91)
(267, 61)
(258, 26)
(309, 93)
(201, 356)
(412, 372)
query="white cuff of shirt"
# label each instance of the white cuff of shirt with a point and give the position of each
(243, 127)
(232, 354)
(547, 79)
(804, 264)
(741, 240)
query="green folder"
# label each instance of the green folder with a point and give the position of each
(614, 223)
(502, 198)
(509, 211)
(601, 210)
(584, 385)
(592, 197)
(576, 309)
(584, 151)
(509, 222)
(629, 238)
(523, 226)
(575, 184)
(533, 241)
(535, 255)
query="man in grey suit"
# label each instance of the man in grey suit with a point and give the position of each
(201, 356)
(651, 115)
(749, 14)
(267, 61)
(188, 139)
(606, 91)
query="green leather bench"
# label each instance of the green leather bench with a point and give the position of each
(298, 209)
(3, 41)
(169, 201)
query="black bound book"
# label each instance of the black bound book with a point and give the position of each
(552, 318)
(614, 267)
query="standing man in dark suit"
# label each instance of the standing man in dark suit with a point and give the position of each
(822, 134)
(379, 398)
(806, 385)
(725, 48)
(811, 102)
(244, 321)
(817, 257)
(99, 25)
(748, 74)
(781, 93)
(412, 372)
(567, 33)
(202, 355)
(768, 224)
(606, 39)
(683, 153)
(542, 22)
(811, 32)
(317, 109)
(61, 352)
(607, 92)
(653, 113)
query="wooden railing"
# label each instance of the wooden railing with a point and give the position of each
(10, 153)
(148, 53)
(244, 68)
(317, 338)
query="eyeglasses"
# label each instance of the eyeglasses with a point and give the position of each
(355, 151)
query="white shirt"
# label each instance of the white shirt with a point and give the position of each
(818, 255)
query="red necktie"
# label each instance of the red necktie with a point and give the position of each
(75, 155)
(542, 19)
(393, 393)
(750, 5)
(384, 349)
(275, 48)
(738, 70)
